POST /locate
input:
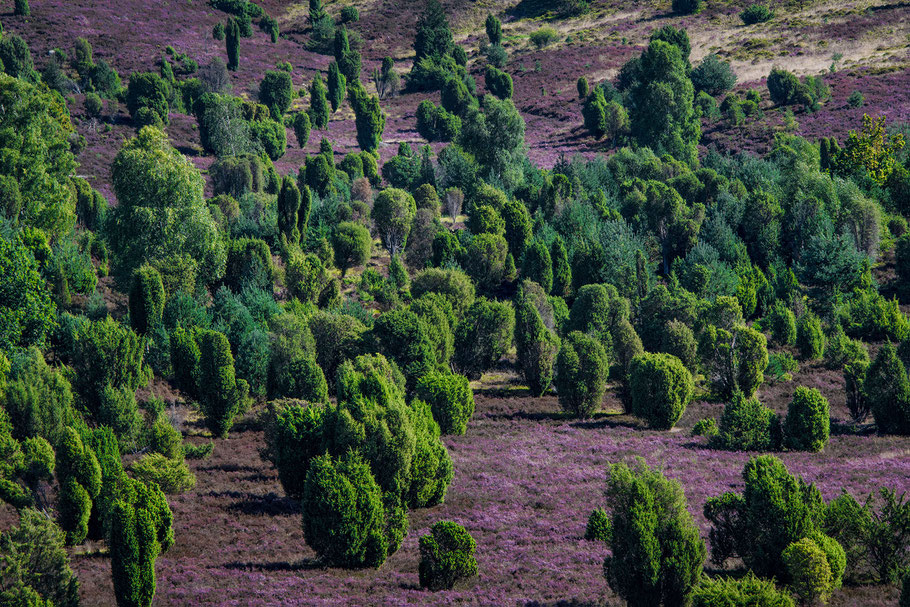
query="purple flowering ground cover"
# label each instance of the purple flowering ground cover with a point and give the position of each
(526, 479)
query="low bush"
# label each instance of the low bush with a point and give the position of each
(582, 368)
(660, 388)
(450, 398)
(807, 426)
(446, 556)
(756, 13)
(747, 425)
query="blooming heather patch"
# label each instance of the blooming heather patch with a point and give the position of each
(526, 479)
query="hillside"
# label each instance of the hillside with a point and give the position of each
(622, 321)
(871, 37)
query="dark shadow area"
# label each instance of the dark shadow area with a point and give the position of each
(613, 421)
(270, 504)
(187, 150)
(851, 429)
(303, 565)
(889, 7)
(563, 603)
(228, 467)
(528, 416)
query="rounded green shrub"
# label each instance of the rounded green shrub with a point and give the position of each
(293, 437)
(146, 299)
(887, 389)
(582, 368)
(446, 556)
(537, 265)
(450, 398)
(483, 336)
(74, 506)
(351, 243)
(781, 323)
(807, 425)
(660, 389)
(809, 572)
(657, 554)
(221, 395)
(343, 513)
(679, 341)
(809, 337)
(747, 425)
(748, 591)
(598, 526)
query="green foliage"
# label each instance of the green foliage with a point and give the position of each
(288, 206)
(349, 14)
(134, 549)
(536, 344)
(543, 37)
(170, 474)
(221, 395)
(809, 571)
(293, 437)
(582, 368)
(537, 265)
(494, 134)
(493, 27)
(781, 322)
(888, 392)
(662, 96)
(734, 359)
(705, 427)
(756, 13)
(446, 556)
(687, 7)
(657, 554)
(337, 338)
(21, 8)
(337, 86)
(434, 38)
(35, 563)
(747, 425)
(597, 310)
(369, 118)
(107, 359)
(809, 337)
(748, 591)
(598, 527)
(660, 387)
(161, 216)
(26, 310)
(301, 125)
(147, 99)
(276, 91)
(319, 104)
(232, 43)
(775, 510)
(37, 397)
(498, 82)
(807, 426)
(454, 285)
(436, 123)
(679, 341)
(343, 514)
(351, 243)
(393, 214)
(146, 299)
(483, 336)
(450, 398)
(713, 76)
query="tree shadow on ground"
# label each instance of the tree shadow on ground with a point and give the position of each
(307, 564)
(270, 504)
